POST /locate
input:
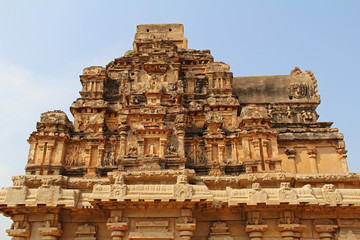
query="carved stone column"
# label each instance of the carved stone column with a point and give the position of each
(162, 147)
(265, 146)
(185, 230)
(87, 155)
(234, 156)
(291, 153)
(186, 224)
(221, 150)
(326, 231)
(40, 154)
(256, 144)
(20, 229)
(211, 82)
(265, 153)
(100, 154)
(256, 231)
(312, 158)
(291, 231)
(116, 225)
(246, 148)
(51, 229)
(255, 225)
(31, 155)
(208, 149)
(141, 148)
(49, 150)
(181, 135)
(58, 155)
(289, 226)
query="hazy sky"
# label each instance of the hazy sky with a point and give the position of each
(44, 45)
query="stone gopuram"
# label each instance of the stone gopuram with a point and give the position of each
(167, 144)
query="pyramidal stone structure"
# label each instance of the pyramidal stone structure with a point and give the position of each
(167, 144)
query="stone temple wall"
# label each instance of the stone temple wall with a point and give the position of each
(167, 144)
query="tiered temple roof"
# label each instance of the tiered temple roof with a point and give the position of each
(167, 144)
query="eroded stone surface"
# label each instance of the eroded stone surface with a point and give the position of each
(167, 144)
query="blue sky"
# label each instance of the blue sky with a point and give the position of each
(44, 45)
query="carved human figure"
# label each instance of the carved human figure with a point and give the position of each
(171, 149)
(200, 158)
(132, 151)
(289, 113)
(306, 116)
(109, 158)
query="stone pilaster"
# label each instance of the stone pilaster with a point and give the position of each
(186, 224)
(117, 226)
(256, 144)
(40, 153)
(49, 150)
(31, 156)
(208, 149)
(342, 153)
(291, 153)
(255, 226)
(256, 231)
(20, 229)
(87, 154)
(162, 147)
(141, 148)
(51, 229)
(185, 230)
(181, 135)
(326, 232)
(312, 158)
(100, 154)
(221, 152)
(291, 231)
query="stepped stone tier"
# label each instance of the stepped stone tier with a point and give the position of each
(167, 144)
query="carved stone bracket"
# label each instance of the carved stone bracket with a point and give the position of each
(51, 229)
(20, 229)
(185, 230)
(326, 231)
(256, 231)
(255, 225)
(312, 156)
(117, 227)
(291, 231)
(185, 224)
(342, 157)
